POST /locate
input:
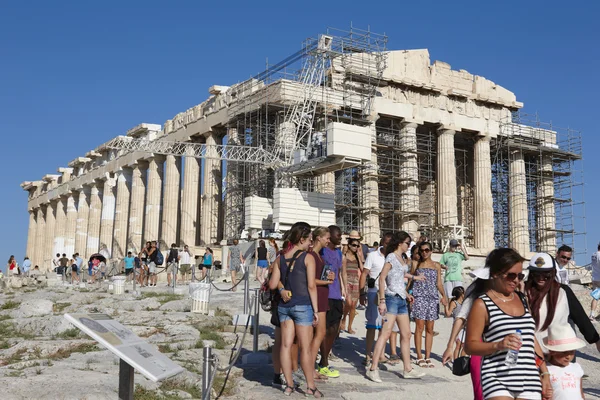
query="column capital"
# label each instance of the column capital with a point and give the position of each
(483, 138)
(410, 123)
(447, 129)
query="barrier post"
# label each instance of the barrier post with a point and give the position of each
(206, 372)
(255, 321)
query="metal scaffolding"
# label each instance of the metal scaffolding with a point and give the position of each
(553, 179)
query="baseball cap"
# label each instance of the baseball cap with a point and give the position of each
(541, 262)
(453, 243)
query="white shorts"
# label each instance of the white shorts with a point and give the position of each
(449, 286)
(516, 395)
(152, 267)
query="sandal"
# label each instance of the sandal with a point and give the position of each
(285, 391)
(422, 363)
(429, 363)
(315, 393)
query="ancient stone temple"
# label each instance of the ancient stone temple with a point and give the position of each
(342, 132)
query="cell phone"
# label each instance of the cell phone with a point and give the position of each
(326, 269)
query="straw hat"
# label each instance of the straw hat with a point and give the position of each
(354, 235)
(562, 338)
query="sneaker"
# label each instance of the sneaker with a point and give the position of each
(374, 376)
(413, 374)
(329, 372)
(361, 307)
(279, 382)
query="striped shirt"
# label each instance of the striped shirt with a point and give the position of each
(495, 375)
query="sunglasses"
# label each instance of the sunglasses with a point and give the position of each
(408, 243)
(353, 245)
(544, 275)
(425, 250)
(565, 258)
(513, 275)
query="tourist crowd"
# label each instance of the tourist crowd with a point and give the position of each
(513, 328)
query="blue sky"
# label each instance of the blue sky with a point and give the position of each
(74, 74)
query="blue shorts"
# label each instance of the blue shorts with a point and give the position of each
(396, 305)
(301, 315)
(262, 263)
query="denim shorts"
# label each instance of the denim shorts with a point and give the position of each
(262, 263)
(396, 305)
(301, 314)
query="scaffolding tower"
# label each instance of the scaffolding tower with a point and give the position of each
(553, 174)
(333, 78)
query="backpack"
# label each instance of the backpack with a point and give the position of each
(173, 253)
(159, 260)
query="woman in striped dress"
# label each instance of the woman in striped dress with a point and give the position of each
(496, 316)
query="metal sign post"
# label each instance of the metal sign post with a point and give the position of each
(126, 374)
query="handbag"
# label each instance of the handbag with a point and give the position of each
(596, 294)
(462, 365)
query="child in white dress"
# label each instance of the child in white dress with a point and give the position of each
(565, 375)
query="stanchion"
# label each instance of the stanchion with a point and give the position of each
(255, 324)
(206, 372)
(247, 291)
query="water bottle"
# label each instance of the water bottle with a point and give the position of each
(513, 355)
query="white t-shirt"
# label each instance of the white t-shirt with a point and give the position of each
(566, 381)
(562, 274)
(561, 317)
(596, 266)
(465, 309)
(374, 263)
(184, 258)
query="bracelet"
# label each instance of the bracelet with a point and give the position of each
(280, 289)
(544, 373)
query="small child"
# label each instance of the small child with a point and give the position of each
(565, 375)
(452, 309)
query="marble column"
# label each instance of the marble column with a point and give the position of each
(60, 229)
(519, 219)
(31, 235)
(153, 197)
(409, 175)
(170, 210)
(546, 209)
(189, 201)
(71, 227)
(40, 238)
(93, 235)
(234, 203)
(107, 219)
(447, 207)
(48, 253)
(119, 246)
(210, 202)
(370, 228)
(482, 193)
(136, 207)
(81, 231)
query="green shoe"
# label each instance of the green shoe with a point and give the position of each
(330, 373)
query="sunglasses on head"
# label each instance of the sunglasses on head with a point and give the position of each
(511, 276)
(545, 274)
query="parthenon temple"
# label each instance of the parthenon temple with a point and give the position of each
(342, 132)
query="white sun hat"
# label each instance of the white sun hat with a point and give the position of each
(562, 338)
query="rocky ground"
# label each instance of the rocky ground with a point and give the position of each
(42, 356)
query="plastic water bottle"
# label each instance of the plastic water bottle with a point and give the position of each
(513, 355)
